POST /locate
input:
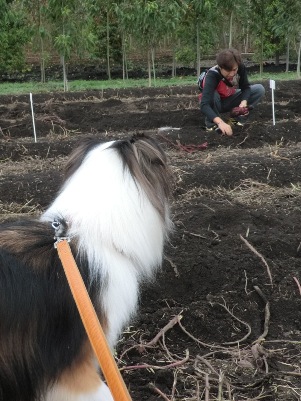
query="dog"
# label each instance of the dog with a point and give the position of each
(113, 206)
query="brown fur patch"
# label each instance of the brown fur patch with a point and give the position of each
(82, 376)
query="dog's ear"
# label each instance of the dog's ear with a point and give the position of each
(147, 163)
(137, 137)
(77, 156)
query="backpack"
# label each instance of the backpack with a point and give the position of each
(201, 79)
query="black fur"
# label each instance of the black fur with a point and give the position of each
(41, 333)
(33, 286)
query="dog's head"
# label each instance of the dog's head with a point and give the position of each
(143, 157)
(116, 196)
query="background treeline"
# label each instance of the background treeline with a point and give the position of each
(127, 33)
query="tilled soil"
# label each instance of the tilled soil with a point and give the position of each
(222, 320)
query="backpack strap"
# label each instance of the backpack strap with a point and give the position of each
(216, 69)
(222, 78)
(201, 79)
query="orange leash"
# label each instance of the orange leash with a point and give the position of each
(91, 324)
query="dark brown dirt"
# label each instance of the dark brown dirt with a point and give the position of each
(232, 266)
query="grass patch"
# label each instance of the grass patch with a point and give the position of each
(280, 76)
(81, 85)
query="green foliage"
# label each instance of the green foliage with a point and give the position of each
(99, 32)
(70, 25)
(271, 46)
(268, 41)
(56, 86)
(185, 55)
(199, 27)
(63, 43)
(14, 34)
(104, 30)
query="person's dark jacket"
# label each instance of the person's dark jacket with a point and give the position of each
(215, 81)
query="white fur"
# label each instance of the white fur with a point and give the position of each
(117, 229)
(60, 393)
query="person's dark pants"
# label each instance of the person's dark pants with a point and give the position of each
(224, 105)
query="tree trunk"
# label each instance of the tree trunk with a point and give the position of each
(198, 55)
(149, 68)
(174, 63)
(64, 73)
(298, 62)
(42, 64)
(124, 59)
(287, 58)
(230, 30)
(261, 51)
(277, 58)
(246, 40)
(108, 47)
(153, 64)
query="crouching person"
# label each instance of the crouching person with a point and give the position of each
(226, 88)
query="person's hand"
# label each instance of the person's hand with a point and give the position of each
(243, 103)
(225, 128)
(239, 111)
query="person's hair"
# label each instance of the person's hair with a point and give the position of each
(227, 59)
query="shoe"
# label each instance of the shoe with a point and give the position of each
(214, 128)
(240, 121)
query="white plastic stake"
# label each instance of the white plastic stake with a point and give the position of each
(33, 123)
(273, 87)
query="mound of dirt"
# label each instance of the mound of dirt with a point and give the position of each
(222, 320)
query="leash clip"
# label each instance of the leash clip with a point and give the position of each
(60, 239)
(59, 231)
